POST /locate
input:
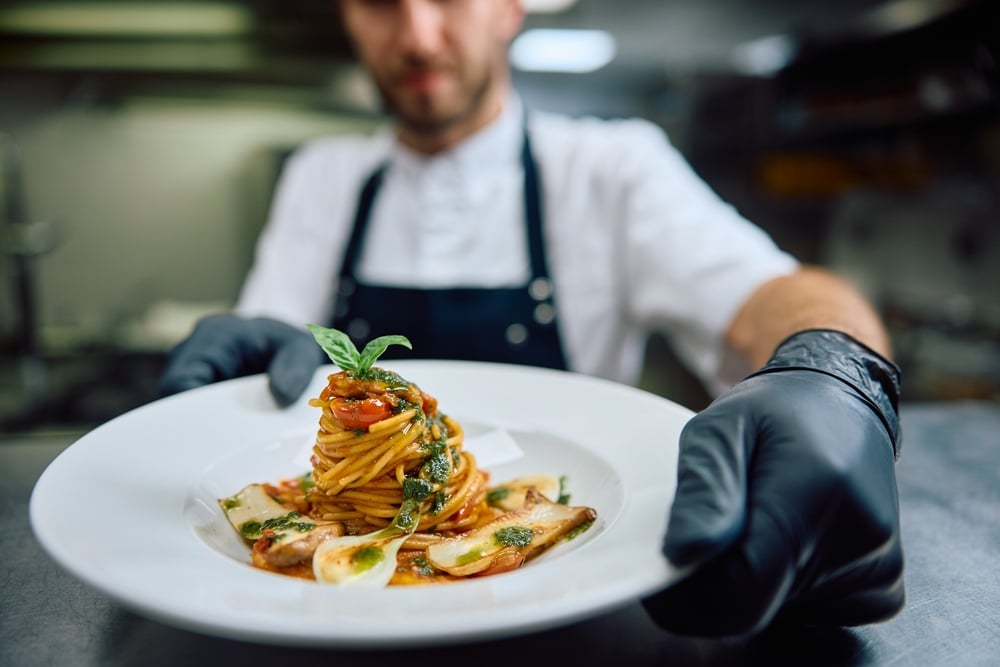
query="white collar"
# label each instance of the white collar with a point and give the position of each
(496, 145)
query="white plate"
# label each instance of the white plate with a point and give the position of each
(131, 509)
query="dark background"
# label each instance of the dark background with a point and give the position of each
(140, 150)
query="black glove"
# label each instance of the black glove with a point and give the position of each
(226, 346)
(786, 499)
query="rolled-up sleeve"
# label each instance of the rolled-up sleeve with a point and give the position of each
(691, 259)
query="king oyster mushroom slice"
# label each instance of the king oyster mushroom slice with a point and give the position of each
(293, 537)
(359, 560)
(512, 495)
(369, 559)
(506, 542)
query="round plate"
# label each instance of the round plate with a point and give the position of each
(131, 508)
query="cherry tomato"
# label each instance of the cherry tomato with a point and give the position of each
(429, 404)
(360, 413)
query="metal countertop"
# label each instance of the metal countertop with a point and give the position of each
(949, 486)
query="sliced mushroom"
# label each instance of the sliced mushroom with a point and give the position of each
(359, 560)
(511, 495)
(369, 559)
(280, 537)
(511, 539)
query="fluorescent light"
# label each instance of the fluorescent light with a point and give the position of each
(150, 19)
(906, 14)
(547, 6)
(547, 50)
(764, 56)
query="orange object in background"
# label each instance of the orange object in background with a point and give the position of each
(817, 175)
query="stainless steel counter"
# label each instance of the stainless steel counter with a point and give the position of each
(949, 484)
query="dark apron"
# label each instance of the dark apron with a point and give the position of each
(508, 325)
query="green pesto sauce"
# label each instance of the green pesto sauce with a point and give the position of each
(436, 446)
(576, 532)
(231, 503)
(438, 502)
(497, 496)
(436, 468)
(250, 530)
(472, 555)
(408, 515)
(306, 482)
(514, 536)
(563, 493)
(366, 558)
(253, 530)
(422, 566)
(416, 488)
(402, 405)
(391, 380)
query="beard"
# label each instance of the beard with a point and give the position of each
(435, 114)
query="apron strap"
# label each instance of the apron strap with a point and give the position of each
(532, 214)
(533, 210)
(517, 324)
(361, 215)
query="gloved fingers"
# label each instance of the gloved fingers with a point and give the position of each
(292, 368)
(858, 608)
(193, 367)
(184, 375)
(709, 507)
(738, 592)
(870, 590)
(219, 348)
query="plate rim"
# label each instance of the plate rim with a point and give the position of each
(599, 600)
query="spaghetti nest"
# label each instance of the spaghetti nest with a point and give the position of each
(380, 441)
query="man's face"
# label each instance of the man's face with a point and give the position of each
(434, 61)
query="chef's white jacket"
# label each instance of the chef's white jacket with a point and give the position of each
(636, 241)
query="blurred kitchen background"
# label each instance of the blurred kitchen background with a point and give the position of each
(140, 143)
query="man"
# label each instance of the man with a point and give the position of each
(484, 231)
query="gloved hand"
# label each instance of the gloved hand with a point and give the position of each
(222, 347)
(786, 500)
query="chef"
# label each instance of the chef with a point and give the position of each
(483, 229)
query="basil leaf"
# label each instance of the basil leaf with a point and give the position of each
(342, 351)
(338, 346)
(374, 349)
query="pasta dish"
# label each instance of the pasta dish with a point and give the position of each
(393, 497)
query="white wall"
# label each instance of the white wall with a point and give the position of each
(154, 199)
